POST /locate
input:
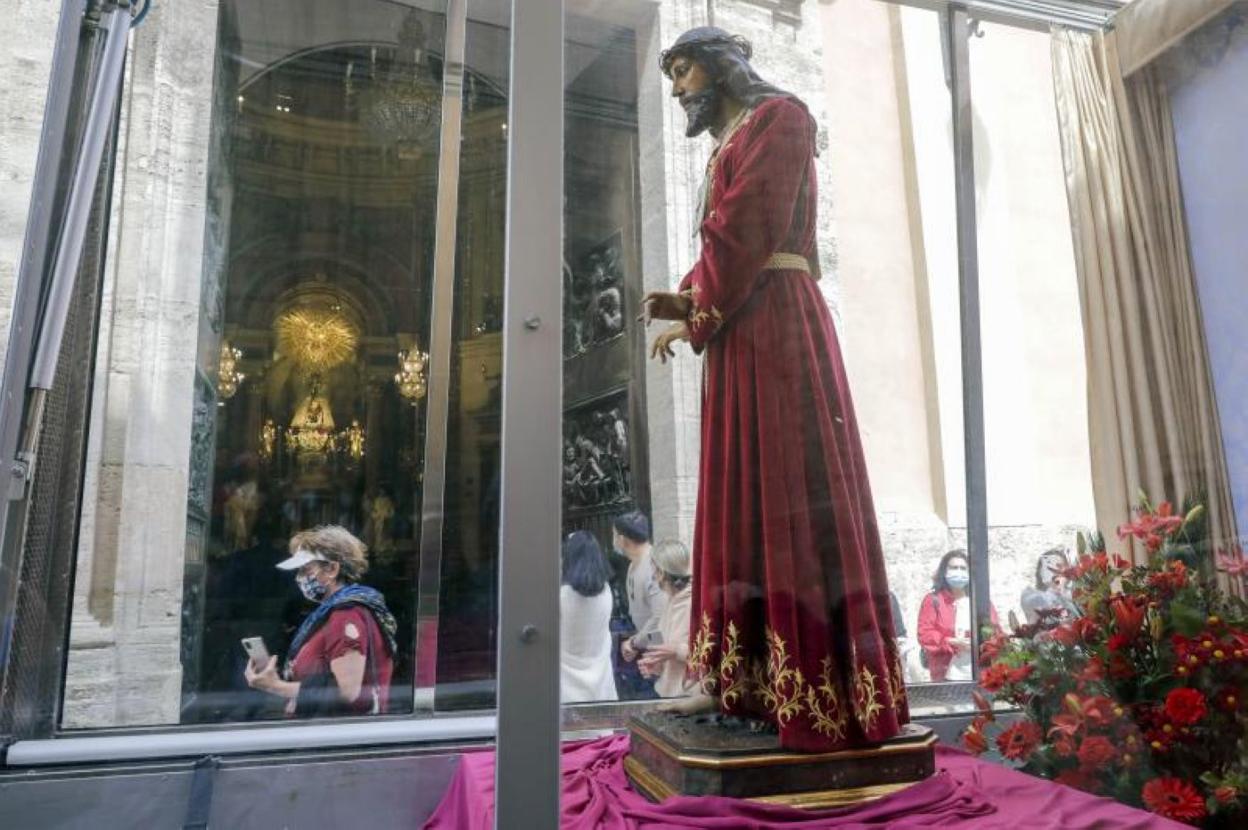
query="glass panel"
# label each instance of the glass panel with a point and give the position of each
(890, 164)
(319, 349)
(1034, 367)
(737, 488)
(605, 464)
(467, 611)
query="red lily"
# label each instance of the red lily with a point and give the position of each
(1128, 615)
(1067, 724)
(1152, 528)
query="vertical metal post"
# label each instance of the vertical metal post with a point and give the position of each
(43, 289)
(28, 289)
(527, 774)
(81, 194)
(437, 409)
(957, 34)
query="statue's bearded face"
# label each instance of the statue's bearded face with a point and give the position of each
(697, 92)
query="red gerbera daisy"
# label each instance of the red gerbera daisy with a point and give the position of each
(1017, 742)
(994, 677)
(1095, 751)
(1185, 706)
(1174, 798)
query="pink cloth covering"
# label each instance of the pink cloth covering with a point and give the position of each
(966, 792)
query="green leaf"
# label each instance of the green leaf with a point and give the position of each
(1186, 620)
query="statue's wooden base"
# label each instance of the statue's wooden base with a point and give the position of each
(711, 755)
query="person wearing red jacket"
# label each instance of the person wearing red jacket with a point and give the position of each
(945, 620)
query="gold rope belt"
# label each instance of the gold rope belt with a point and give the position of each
(787, 262)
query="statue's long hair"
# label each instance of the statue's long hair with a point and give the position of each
(726, 58)
(727, 61)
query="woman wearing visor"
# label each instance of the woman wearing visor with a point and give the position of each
(341, 658)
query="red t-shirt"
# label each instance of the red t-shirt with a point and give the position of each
(350, 628)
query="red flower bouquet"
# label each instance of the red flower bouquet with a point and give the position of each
(1138, 697)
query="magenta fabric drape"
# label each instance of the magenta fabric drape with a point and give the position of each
(965, 793)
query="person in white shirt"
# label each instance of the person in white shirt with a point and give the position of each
(585, 622)
(668, 661)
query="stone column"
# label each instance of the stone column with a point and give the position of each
(124, 666)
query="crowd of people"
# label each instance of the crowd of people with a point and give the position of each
(341, 658)
(651, 658)
(941, 650)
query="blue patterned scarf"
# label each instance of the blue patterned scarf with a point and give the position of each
(370, 598)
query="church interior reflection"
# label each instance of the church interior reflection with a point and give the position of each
(313, 382)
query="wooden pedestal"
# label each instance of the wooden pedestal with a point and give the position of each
(711, 755)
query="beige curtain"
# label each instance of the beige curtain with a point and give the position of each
(1152, 419)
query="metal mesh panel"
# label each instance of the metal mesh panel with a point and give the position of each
(33, 696)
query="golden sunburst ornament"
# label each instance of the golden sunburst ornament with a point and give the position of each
(315, 339)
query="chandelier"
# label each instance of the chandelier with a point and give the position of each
(402, 106)
(228, 376)
(411, 375)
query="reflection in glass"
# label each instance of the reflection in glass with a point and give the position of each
(322, 214)
(604, 469)
(892, 181)
(1039, 459)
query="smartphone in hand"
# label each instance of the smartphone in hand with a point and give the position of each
(254, 646)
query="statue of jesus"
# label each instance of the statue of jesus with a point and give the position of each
(791, 620)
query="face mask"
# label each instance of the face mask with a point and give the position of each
(311, 588)
(957, 580)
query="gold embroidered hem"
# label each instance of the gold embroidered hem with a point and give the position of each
(779, 687)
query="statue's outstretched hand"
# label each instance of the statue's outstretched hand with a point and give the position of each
(663, 305)
(662, 348)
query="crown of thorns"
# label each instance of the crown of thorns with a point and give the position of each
(695, 40)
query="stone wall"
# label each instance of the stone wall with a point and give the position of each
(26, 42)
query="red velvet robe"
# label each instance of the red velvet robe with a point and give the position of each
(791, 621)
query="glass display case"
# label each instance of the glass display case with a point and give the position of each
(482, 372)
